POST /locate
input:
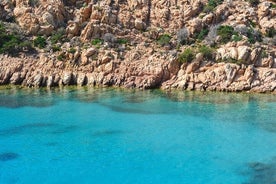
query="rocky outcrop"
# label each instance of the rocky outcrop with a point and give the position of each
(95, 18)
(225, 77)
(116, 42)
(147, 71)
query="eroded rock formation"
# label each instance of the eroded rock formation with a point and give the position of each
(127, 52)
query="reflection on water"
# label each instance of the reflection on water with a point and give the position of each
(259, 108)
(218, 97)
(16, 97)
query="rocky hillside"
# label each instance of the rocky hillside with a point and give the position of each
(220, 45)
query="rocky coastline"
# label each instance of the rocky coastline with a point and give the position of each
(189, 44)
(167, 74)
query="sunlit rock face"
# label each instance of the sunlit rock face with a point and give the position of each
(137, 44)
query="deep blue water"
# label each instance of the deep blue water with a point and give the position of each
(86, 135)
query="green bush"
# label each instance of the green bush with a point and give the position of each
(12, 43)
(57, 37)
(56, 48)
(187, 56)
(97, 41)
(9, 43)
(33, 3)
(208, 9)
(226, 32)
(271, 32)
(251, 23)
(40, 42)
(232, 60)
(215, 2)
(211, 5)
(253, 2)
(202, 34)
(61, 57)
(237, 38)
(264, 54)
(122, 41)
(72, 50)
(254, 36)
(164, 39)
(206, 51)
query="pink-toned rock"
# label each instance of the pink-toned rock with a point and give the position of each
(249, 74)
(230, 71)
(72, 28)
(106, 59)
(233, 53)
(67, 77)
(16, 78)
(192, 67)
(243, 53)
(37, 80)
(81, 79)
(139, 24)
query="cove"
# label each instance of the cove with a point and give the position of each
(107, 135)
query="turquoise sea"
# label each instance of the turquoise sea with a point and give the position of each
(116, 136)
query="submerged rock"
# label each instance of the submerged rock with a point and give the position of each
(8, 156)
(262, 173)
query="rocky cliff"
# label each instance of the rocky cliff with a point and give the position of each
(220, 45)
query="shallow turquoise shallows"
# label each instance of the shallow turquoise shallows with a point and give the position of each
(114, 136)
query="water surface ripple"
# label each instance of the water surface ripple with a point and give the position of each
(106, 135)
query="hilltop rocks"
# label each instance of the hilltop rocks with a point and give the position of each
(95, 18)
(41, 17)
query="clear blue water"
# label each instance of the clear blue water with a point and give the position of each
(84, 135)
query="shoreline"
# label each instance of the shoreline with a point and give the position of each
(167, 91)
(165, 74)
(146, 45)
